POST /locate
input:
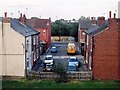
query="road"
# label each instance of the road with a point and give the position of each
(62, 57)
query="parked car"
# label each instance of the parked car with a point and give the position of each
(48, 67)
(72, 68)
(73, 60)
(53, 49)
(49, 60)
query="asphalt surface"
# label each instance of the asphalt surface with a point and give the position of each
(61, 57)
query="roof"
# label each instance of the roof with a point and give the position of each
(118, 20)
(22, 29)
(38, 23)
(1, 19)
(96, 29)
(86, 24)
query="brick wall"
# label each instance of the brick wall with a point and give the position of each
(45, 35)
(119, 50)
(105, 54)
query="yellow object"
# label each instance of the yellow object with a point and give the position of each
(71, 48)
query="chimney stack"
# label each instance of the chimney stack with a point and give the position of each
(93, 20)
(5, 18)
(22, 18)
(100, 21)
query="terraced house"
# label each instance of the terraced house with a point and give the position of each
(102, 49)
(84, 25)
(44, 27)
(20, 47)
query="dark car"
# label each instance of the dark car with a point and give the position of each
(72, 68)
(53, 49)
(48, 67)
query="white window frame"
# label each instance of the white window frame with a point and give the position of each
(91, 45)
(90, 62)
(87, 40)
(34, 40)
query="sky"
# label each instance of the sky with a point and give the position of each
(57, 9)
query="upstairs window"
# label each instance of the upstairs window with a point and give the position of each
(87, 39)
(34, 40)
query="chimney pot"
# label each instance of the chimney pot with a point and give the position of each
(109, 14)
(5, 14)
(20, 14)
(114, 15)
(6, 19)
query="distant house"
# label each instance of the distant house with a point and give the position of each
(102, 49)
(84, 25)
(20, 47)
(44, 27)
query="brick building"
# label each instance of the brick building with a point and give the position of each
(84, 25)
(44, 27)
(102, 49)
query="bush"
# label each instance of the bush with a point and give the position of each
(61, 73)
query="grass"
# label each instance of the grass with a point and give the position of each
(23, 83)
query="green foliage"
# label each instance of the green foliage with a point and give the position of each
(63, 28)
(51, 84)
(61, 73)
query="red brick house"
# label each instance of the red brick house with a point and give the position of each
(44, 27)
(102, 49)
(84, 25)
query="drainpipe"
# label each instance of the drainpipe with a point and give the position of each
(25, 61)
(93, 45)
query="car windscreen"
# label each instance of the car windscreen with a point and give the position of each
(48, 66)
(48, 58)
(73, 60)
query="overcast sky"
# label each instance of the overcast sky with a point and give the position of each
(56, 9)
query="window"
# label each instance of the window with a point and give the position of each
(87, 39)
(90, 61)
(27, 62)
(37, 53)
(37, 39)
(34, 56)
(86, 57)
(47, 23)
(34, 40)
(91, 46)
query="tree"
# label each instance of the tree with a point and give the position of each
(64, 28)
